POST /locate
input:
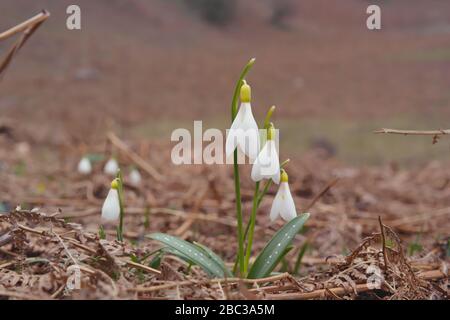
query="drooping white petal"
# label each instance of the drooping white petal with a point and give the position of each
(111, 167)
(267, 164)
(111, 206)
(84, 166)
(276, 208)
(283, 204)
(243, 133)
(249, 144)
(273, 171)
(288, 211)
(135, 177)
(232, 137)
(256, 170)
(261, 160)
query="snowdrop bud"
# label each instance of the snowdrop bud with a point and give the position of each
(246, 92)
(111, 167)
(111, 206)
(84, 166)
(135, 177)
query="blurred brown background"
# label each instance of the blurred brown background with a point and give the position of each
(144, 68)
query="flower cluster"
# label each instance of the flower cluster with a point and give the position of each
(244, 135)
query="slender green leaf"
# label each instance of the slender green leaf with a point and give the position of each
(101, 232)
(300, 257)
(275, 249)
(155, 263)
(214, 257)
(448, 248)
(190, 253)
(147, 218)
(283, 260)
(179, 254)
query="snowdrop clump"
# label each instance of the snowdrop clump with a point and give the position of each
(84, 166)
(243, 135)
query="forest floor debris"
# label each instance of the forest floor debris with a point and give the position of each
(379, 233)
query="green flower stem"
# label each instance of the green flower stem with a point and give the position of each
(263, 192)
(251, 224)
(268, 116)
(101, 232)
(239, 83)
(251, 228)
(122, 212)
(258, 203)
(237, 182)
(237, 189)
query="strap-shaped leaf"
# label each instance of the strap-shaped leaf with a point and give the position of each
(215, 257)
(177, 253)
(272, 253)
(189, 252)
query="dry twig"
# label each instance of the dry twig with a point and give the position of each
(28, 28)
(147, 167)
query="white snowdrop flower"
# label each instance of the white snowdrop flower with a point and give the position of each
(244, 130)
(111, 206)
(135, 177)
(84, 166)
(283, 204)
(267, 164)
(111, 167)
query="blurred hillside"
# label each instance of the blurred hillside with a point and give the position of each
(155, 64)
